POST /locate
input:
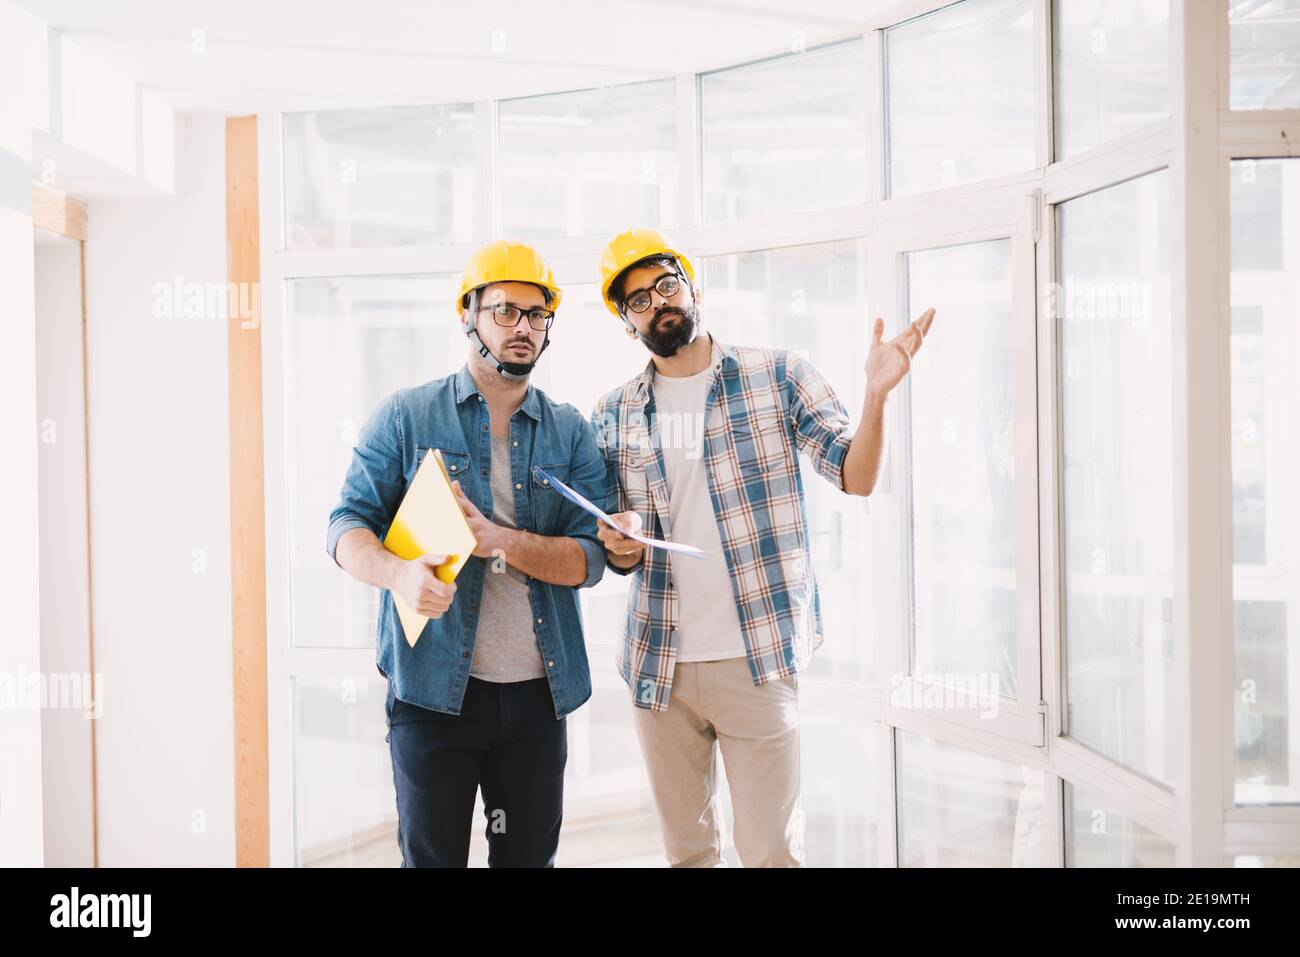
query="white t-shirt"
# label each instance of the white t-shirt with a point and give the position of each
(709, 629)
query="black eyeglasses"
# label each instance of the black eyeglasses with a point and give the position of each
(507, 314)
(667, 286)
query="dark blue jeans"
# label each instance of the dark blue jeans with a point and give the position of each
(507, 741)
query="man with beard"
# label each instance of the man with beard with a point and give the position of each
(480, 699)
(702, 449)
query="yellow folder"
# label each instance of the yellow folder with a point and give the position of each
(429, 521)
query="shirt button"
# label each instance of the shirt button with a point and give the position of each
(519, 485)
(451, 468)
(539, 621)
(550, 664)
(515, 444)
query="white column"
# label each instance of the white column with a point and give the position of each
(1202, 614)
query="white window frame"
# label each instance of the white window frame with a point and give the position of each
(1021, 724)
(1241, 134)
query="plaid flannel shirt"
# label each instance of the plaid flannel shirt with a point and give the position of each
(774, 403)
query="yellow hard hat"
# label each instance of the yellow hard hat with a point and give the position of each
(504, 261)
(631, 246)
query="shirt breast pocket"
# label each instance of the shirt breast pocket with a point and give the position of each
(458, 470)
(456, 460)
(761, 436)
(547, 501)
(636, 484)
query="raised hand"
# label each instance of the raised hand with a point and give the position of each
(889, 360)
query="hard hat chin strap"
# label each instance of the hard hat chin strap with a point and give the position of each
(520, 370)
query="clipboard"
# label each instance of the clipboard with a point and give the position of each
(429, 520)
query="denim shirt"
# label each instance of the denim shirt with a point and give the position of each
(451, 414)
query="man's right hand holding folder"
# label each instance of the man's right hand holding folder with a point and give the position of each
(418, 584)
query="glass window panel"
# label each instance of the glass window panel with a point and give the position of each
(589, 354)
(351, 340)
(1264, 41)
(1265, 362)
(963, 467)
(1249, 420)
(841, 774)
(1112, 300)
(1257, 216)
(1112, 70)
(812, 300)
(1251, 860)
(594, 161)
(609, 814)
(345, 812)
(785, 135)
(1097, 835)
(959, 97)
(839, 786)
(957, 808)
(380, 177)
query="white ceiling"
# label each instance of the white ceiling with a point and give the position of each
(307, 54)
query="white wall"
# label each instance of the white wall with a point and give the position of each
(161, 531)
(21, 92)
(62, 116)
(66, 743)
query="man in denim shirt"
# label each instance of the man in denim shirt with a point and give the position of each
(480, 699)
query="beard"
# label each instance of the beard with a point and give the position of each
(665, 342)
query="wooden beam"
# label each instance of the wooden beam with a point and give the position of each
(56, 211)
(247, 519)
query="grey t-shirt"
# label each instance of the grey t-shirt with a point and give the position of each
(505, 646)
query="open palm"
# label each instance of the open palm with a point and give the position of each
(890, 359)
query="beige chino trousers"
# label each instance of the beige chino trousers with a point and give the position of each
(714, 706)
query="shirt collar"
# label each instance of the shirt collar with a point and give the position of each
(724, 359)
(467, 388)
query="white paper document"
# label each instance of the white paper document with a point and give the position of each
(574, 497)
